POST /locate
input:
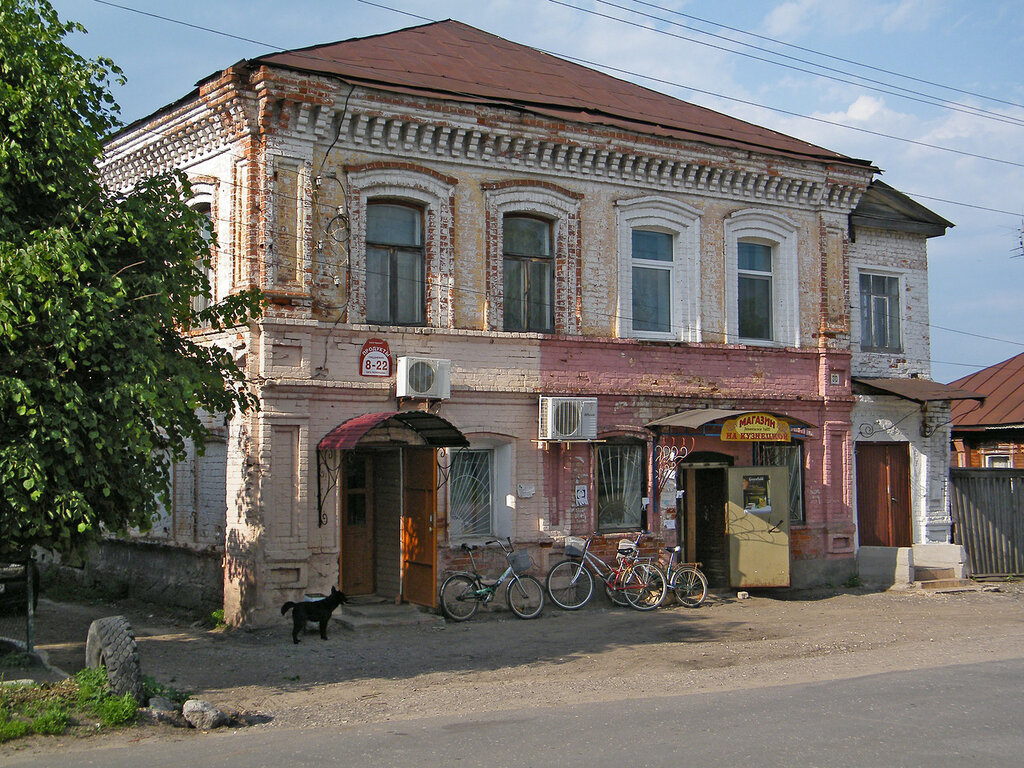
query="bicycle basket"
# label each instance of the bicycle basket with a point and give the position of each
(627, 547)
(574, 546)
(520, 561)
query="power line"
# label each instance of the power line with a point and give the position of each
(610, 68)
(907, 93)
(829, 55)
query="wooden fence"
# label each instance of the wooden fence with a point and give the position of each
(988, 519)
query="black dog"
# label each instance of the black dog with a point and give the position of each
(315, 610)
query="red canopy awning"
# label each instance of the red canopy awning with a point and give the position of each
(434, 430)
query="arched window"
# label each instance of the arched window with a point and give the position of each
(394, 264)
(528, 269)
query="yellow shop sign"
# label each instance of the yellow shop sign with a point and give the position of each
(762, 427)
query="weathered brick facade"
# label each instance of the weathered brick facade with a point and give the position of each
(291, 160)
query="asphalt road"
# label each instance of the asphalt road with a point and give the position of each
(967, 715)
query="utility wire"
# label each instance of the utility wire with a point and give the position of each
(829, 55)
(879, 85)
(627, 72)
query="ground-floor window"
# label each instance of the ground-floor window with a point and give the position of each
(619, 480)
(472, 494)
(791, 456)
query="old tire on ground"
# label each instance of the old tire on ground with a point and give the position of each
(111, 644)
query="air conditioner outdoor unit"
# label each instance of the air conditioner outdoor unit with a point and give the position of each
(568, 418)
(424, 377)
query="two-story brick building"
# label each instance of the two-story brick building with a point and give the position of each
(513, 296)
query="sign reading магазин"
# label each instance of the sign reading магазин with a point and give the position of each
(375, 358)
(761, 427)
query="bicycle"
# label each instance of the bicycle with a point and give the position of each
(641, 585)
(462, 593)
(686, 580)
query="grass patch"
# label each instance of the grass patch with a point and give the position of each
(51, 708)
(152, 687)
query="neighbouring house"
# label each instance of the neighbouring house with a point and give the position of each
(513, 296)
(900, 417)
(990, 435)
(987, 473)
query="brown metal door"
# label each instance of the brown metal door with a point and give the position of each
(419, 543)
(883, 495)
(357, 545)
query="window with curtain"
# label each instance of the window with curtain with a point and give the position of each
(880, 312)
(619, 480)
(652, 278)
(528, 274)
(395, 293)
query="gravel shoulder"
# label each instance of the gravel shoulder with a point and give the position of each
(496, 661)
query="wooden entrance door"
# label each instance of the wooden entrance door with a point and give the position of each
(357, 541)
(883, 495)
(419, 542)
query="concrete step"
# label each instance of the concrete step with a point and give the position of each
(357, 616)
(948, 585)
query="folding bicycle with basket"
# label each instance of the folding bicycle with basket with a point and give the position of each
(463, 592)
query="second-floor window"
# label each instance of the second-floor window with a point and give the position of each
(528, 274)
(205, 262)
(880, 312)
(754, 291)
(394, 264)
(652, 279)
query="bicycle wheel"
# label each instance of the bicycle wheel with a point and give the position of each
(525, 596)
(615, 596)
(646, 587)
(458, 597)
(570, 584)
(689, 584)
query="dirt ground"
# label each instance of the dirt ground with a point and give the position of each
(496, 661)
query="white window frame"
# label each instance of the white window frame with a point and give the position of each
(682, 222)
(502, 500)
(1003, 455)
(781, 233)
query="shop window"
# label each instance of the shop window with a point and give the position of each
(620, 481)
(394, 264)
(791, 456)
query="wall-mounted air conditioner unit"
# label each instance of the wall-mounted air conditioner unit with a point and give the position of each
(568, 418)
(424, 377)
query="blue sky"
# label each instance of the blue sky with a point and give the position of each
(972, 46)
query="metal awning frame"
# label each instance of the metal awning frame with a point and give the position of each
(336, 444)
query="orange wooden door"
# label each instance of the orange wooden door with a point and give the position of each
(883, 495)
(419, 542)
(357, 539)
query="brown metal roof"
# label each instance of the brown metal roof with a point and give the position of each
(919, 390)
(1003, 387)
(433, 429)
(451, 60)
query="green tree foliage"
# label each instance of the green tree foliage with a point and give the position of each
(99, 388)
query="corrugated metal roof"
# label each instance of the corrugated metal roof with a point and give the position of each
(452, 60)
(919, 390)
(433, 429)
(1003, 387)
